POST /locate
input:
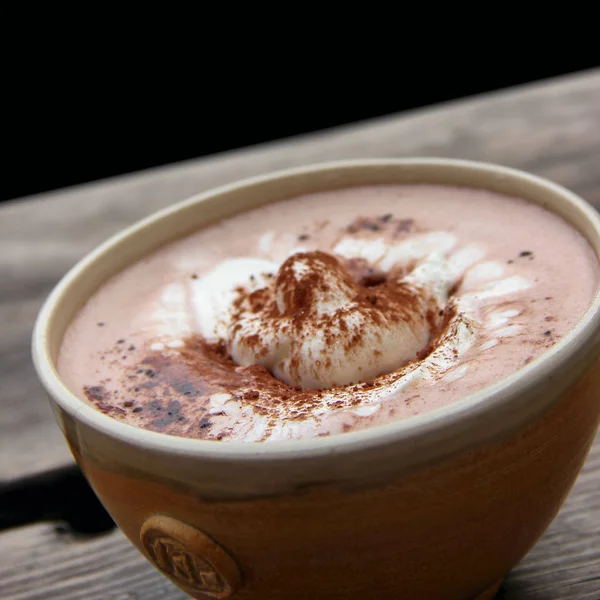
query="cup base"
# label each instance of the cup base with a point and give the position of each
(490, 592)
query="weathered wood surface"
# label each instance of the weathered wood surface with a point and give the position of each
(551, 129)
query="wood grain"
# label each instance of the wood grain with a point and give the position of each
(551, 129)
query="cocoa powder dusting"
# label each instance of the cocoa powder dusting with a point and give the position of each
(379, 298)
(438, 328)
(175, 387)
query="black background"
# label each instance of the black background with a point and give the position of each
(66, 123)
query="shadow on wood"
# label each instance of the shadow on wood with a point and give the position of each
(61, 495)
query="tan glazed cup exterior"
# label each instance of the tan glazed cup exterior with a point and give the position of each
(439, 506)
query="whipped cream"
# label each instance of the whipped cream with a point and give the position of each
(311, 325)
(314, 327)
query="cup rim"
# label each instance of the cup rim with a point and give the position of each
(480, 407)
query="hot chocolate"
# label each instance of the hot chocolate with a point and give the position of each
(330, 312)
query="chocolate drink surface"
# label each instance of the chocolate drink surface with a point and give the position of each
(329, 312)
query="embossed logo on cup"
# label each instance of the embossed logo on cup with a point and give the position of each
(175, 559)
(189, 557)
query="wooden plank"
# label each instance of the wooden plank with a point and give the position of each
(36, 563)
(552, 129)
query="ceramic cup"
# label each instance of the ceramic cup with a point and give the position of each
(438, 506)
